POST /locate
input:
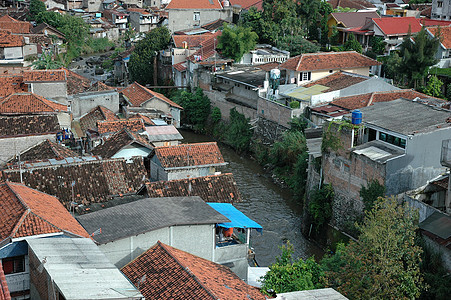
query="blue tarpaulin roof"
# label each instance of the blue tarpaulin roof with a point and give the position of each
(237, 218)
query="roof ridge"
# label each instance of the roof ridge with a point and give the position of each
(186, 268)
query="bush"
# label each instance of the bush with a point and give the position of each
(371, 193)
(239, 132)
(295, 104)
(320, 204)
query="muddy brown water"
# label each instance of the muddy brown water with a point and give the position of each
(266, 203)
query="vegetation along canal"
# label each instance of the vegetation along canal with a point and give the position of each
(266, 203)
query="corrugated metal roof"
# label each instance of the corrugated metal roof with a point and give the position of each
(80, 270)
(438, 224)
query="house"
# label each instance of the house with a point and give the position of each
(187, 15)
(344, 105)
(172, 273)
(441, 10)
(14, 26)
(128, 229)
(83, 180)
(184, 45)
(45, 150)
(82, 103)
(20, 132)
(220, 188)
(143, 20)
(139, 99)
(46, 83)
(28, 213)
(444, 50)
(307, 67)
(57, 37)
(29, 103)
(398, 144)
(124, 144)
(59, 4)
(117, 18)
(185, 160)
(348, 20)
(74, 268)
(163, 136)
(91, 6)
(263, 54)
(11, 49)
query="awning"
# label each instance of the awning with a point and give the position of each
(237, 218)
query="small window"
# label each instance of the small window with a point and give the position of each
(14, 264)
(439, 3)
(196, 16)
(306, 76)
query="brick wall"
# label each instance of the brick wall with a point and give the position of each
(274, 111)
(38, 280)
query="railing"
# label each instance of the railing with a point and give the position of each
(18, 282)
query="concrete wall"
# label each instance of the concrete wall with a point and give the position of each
(30, 49)
(235, 257)
(445, 253)
(83, 103)
(132, 151)
(65, 119)
(195, 239)
(179, 19)
(49, 89)
(93, 5)
(13, 145)
(441, 13)
(157, 172)
(13, 52)
(274, 111)
(368, 86)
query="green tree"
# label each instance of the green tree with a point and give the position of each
(236, 41)
(196, 108)
(36, 7)
(377, 45)
(385, 261)
(239, 132)
(371, 193)
(417, 56)
(320, 204)
(434, 87)
(46, 62)
(289, 275)
(353, 44)
(50, 17)
(296, 45)
(391, 65)
(141, 64)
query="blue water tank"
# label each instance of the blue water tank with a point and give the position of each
(356, 117)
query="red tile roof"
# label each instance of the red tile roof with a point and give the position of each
(26, 125)
(428, 22)
(28, 103)
(147, 120)
(337, 81)
(98, 113)
(95, 180)
(328, 61)
(186, 155)
(137, 94)
(118, 141)
(214, 188)
(44, 75)
(10, 40)
(15, 26)
(4, 291)
(246, 4)
(398, 25)
(27, 212)
(10, 84)
(445, 35)
(174, 274)
(207, 48)
(115, 126)
(7, 18)
(192, 41)
(139, 10)
(47, 150)
(181, 66)
(194, 4)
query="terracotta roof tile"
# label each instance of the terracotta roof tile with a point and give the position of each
(4, 291)
(16, 26)
(445, 34)
(76, 84)
(137, 94)
(181, 66)
(398, 26)
(10, 40)
(216, 24)
(98, 113)
(147, 120)
(28, 103)
(139, 10)
(246, 4)
(215, 188)
(44, 75)
(428, 22)
(192, 41)
(10, 84)
(207, 48)
(115, 126)
(118, 141)
(174, 274)
(27, 212)
(28, 125)
(328, 61)
(194, 4)
(7, 18)
(47, 150)
(356, 4)
(185, 155)
(95, 180)
(337, 81)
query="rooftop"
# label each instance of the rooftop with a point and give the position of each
(80, 270)
(398, 25)
(27, 212)
(44, 76)
(337, 81)
(317, 294)
(378, 151)
(137, 94)
(28, 103)
(119, 141)
(356, 4)
(192, 41)
(117, 125)
(189, 155)
(353, 19)
(28, 125)
(175, 274)
(246, 4)
(254, 77)
(163, 133)
(10, 84)
(148, 214)
(10, 40)
(15, 26)
(213, 188)
(445, 35)
(406, 117)
(47, 150)
(328, 61)
(98, 113)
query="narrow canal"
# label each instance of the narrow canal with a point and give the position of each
(267, 204)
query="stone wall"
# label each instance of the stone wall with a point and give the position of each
(268, 131)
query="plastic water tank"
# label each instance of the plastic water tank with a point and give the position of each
(275, 74)
(356, 117)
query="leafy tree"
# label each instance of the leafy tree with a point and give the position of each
(142, 59)
(236, 41)
(320, 204)
(36, 7)
(216, 115)
(434, 87)
(50, 17)
(298, 124)
(296, 45)
(448, 91)
(46, 62)
(378, 45)
(196, 107)
(289, 275)
(385, 261)
(371, 193)
(417, 56)
(239, 132)
(391, 65)
(284, 153)
(353, 44)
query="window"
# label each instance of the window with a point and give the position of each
(14, 264)
(306, 76)
(388, 138)
(439, 3)
(196, 16)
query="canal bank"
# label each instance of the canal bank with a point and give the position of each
(265, 202)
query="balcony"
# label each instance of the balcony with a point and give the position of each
(18, 282)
